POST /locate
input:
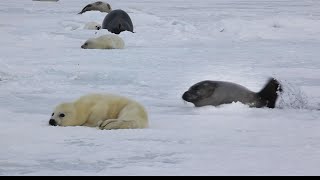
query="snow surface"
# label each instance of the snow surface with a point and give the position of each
(177, 43)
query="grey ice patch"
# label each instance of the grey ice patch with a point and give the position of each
(4, 72)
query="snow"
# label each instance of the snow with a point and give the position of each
(177, 43)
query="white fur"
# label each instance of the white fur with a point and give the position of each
(92, 26)
(106, 111)
(110, 41)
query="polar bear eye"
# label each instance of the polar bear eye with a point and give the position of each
(62, 115)
(52, 114)
(86, 44)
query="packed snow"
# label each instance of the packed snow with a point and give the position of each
(176, 44)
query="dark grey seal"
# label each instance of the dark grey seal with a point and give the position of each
(97, 6)
(117, 21)
(216, 93)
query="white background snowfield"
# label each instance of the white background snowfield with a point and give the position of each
(177, 43)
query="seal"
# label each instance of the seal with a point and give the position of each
(97, 6)
(216, 93)
(109, 41)
(106, 111)
(117, 21)
(92, 26)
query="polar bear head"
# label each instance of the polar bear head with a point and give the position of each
(64, 115)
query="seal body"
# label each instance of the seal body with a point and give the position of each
(117, 21)
(109, 41)
(105, 111)
(92, 26)
(216, 93)
(97, 6)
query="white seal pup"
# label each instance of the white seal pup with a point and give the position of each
(105, 111)
(109, 41)
(92, 26)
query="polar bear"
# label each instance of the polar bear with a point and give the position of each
(109, 41)
(92, 26)
(105, 111)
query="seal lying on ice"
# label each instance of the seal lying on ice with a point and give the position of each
(117, 21)
(216, 93)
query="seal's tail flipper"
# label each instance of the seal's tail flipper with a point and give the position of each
(85, 9)
(270, 92)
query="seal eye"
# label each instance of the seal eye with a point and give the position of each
(52, 114)
(86, 44)
(62, 115)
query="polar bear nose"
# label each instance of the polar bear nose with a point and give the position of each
(52, 122)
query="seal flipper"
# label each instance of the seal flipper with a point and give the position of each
(269, 93)
(84, 9)
(125, 27)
